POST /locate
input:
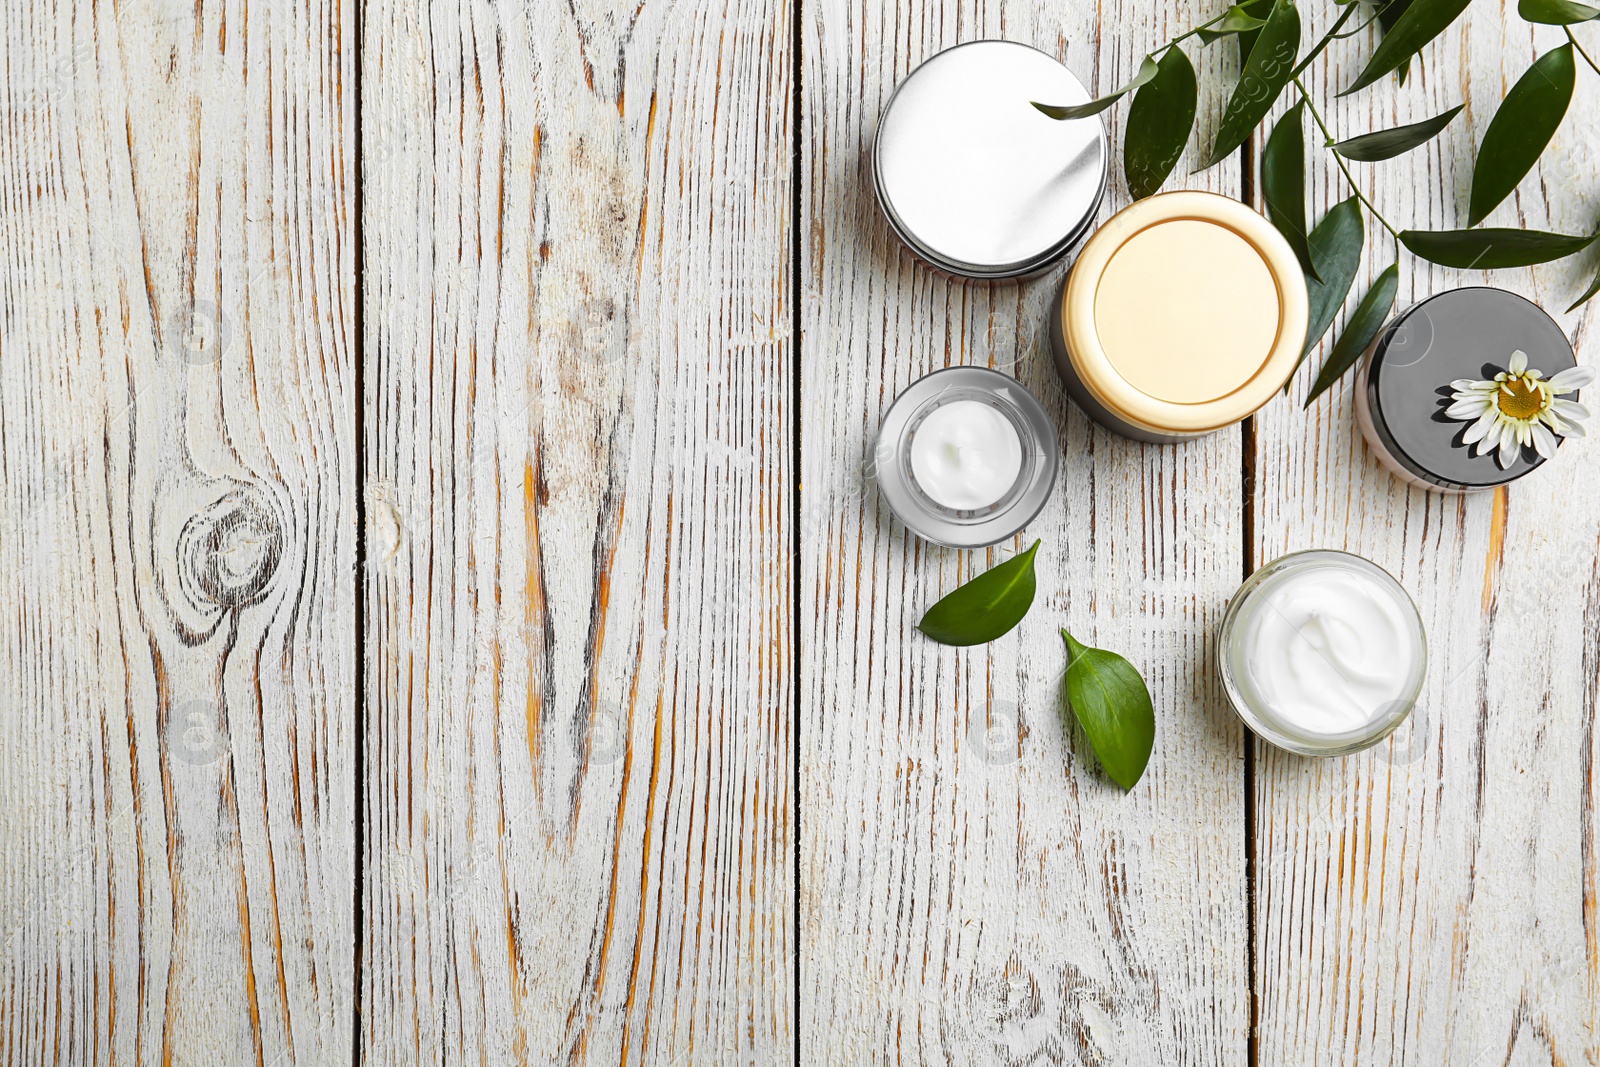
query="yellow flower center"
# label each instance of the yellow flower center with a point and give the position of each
(1524, 401)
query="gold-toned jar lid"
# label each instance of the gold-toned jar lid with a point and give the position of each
(1185, 313)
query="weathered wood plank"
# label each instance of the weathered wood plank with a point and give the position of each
(177, 533)
(580, 744)
(974, 889)
(1433, 901)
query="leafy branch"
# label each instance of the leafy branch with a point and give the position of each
(1161, 120)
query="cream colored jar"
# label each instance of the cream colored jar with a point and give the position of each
(1185, 313)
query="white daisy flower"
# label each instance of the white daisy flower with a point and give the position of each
(1520, 407)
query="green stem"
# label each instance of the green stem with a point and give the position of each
(1350, 9)
(1358, 29)
(1580, 50)
(1190, 33)
(1348, 177)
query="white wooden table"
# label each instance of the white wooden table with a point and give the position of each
(417, 646)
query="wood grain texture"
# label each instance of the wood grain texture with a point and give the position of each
(580, 811)
(973, 888)
(177, 535)
(1433, 901)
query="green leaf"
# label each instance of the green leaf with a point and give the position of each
(1113, 706)
(1247, 38)
(1556, 12)
(1492, 249)
(985, 608)
(1237, 19)
(1159, 121)
(1265, 74)
(1364, 324)
(1519, 131)
(1588, 294)
(1419, 23)
(1388, 15)
(1147, 70)
(1336, 246)
(1283, 182)
(1386, 144)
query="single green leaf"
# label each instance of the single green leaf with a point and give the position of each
(1419, 23)
(1237, 19)
(1247, 38)
(1388, 15)
(1386, 144)
(1364, 324)
(1556, 12)
(1159, 121)
(1265, 74)
(1113, 706)
(985, 608)
(1588, 294)
(1283, 182)
(1147, 70)
(1336, 245)
(1492, 249)
(1519, 131)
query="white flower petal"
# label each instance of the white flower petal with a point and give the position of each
(1472, 385)
(1544, 442)
(1572, 378)
(1570, 410)
(1508, 452)
(1466, 409)
(1519, 361)
(1491, 440)
(1548, 417)
(1574, 429)
(1476, 431)
(1524, 434)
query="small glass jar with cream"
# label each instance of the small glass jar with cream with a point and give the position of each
(1184, 313)
(966, 457)
(1322, 653)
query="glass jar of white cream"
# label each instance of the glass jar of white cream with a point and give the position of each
(966, 457)
(1322, 653)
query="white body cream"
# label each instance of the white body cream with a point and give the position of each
(1322, 653)
(966, 455)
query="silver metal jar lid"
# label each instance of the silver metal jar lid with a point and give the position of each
(926, 517)
(973, 177)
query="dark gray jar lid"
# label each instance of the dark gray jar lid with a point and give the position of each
(973, 177)
(1463, 333)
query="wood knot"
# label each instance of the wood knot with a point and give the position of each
(228, 552)
(1009, 1012)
